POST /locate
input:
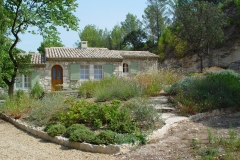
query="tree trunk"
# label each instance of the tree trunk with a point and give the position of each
(10, 90)
(201, 62)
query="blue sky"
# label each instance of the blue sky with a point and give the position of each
(102, 13)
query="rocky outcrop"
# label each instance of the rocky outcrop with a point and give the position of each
(226, 59)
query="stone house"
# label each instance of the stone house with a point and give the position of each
(61, 67)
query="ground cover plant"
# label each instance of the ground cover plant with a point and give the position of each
(206, 93)
(144, 84)
(218, 147)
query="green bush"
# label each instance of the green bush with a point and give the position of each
(44, 110)
(82, 135)
(87, 88)
(49, 125)
(37, 91)
(72, 128)
(56, 130)
(215, 90)
(105, 137)
(116, 88)
(97, 123)
(122, 122)
(143, 113)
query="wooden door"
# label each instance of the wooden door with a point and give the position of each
(57, 78)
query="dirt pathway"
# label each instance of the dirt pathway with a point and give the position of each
(17, 144)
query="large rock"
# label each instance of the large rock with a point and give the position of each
(227, 59)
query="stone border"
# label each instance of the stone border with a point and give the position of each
(113, 149)
(109, 149)
(216, 112)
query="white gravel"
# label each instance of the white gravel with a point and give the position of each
(19, 145)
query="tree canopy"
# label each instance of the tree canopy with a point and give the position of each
(200, 25)
(20, 15)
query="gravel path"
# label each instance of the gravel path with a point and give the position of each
(17, 144)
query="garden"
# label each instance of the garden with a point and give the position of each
(116, 110)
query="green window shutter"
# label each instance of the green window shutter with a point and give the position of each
(134, 68)
(108, 70)
(74, 72)
(35, 77)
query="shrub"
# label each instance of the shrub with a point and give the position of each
(122, 122)
(72, 128)
(56, 130)
(87, 88)
(44, 111)
(49, 125)
(152, 81)
(82, 135)
(18, 105)
(105, 137)
(143, 113)
(37, 91)
(97, 123)
(116, 88)
(215, 90)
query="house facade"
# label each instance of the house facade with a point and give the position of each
(65, 68)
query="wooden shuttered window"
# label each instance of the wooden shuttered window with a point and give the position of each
(133, 67)
(74, 71)
(35, 77)
(108, 70)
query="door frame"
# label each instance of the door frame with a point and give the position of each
(53, 88)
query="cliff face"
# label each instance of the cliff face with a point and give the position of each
(226, 56)
(226, 59)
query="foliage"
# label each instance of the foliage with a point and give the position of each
(152, 81)
(72, 128)
(82, 111)
(105, 137)
(226, 147)
(49, 125)
(116, 88)
(87, 88)
(116, 37)
(122, 122)
(135, 39)
(214, 91)
(20, 16)
(201, 26)
(155, 19)
(17, 106)
(56, 130)
(43, 110)
(82, 135)
(37, 91)
(3, 96)
(53, 41)
(143, 113)
(95, 37)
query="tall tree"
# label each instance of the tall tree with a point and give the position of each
(200, 25)
(131, 23)
(135, 39)
(117, 37)
(44, 15)
(90, 33)
(50, 41)
(154, 19)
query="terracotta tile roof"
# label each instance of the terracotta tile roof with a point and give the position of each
(36, 59)
(63, 52)
(137, 54)
(95, 53)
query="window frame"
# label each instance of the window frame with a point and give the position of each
(84, 74)
(23, 82)
(97, 74)
(125, 68)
